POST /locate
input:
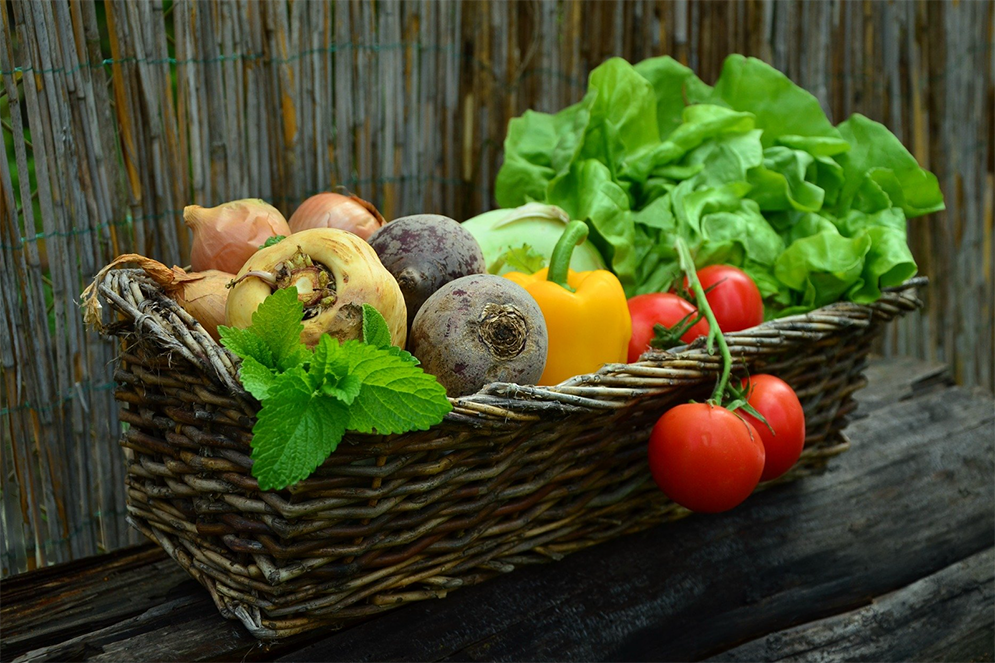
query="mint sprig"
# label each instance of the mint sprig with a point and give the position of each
(311, 398)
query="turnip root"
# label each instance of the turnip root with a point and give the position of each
(480, 329)
(335, 273)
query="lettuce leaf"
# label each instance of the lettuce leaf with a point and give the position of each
(673, 83)
(780, 107)
(587, 192)
(750, 172)
(878, 163)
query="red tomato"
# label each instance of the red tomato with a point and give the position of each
(704, 457)
(735, 299)
(663, 308)
(777, 402)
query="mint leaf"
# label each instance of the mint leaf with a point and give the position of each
(275, 239)
(277, 322)
(274, 338)
(257, 378)
(403, 354)
(310, 398)
(295, 432)
(375, 330)
(327, 361)
(396, 396)
(246, 344)
(375, 333)
(329, 371)
(345, 389)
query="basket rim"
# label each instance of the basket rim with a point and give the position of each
(144, 303)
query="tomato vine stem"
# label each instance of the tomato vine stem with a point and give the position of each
(714, 333)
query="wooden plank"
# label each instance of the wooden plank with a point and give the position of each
(58, 603)
(695, 588)
(900, 378)
(915, 619)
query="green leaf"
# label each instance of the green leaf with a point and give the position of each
(328, 361)
(375, 331)
(726, 158)
(256, 378)
(780, 183)
(523, 259)
(672, 83)
(246, 343)
(656, 259)
(527, 168)
(889, 263)
(823, 267)
(817, 146)
(622, 114)
(396, 396)
(876, 154)
(275, 239)
(587, 192)
(345, 390)
(702, 123)
(750, 172)
(295, 432)
(780, 107)
(277, 324)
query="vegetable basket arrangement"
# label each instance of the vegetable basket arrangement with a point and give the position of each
(336, 415)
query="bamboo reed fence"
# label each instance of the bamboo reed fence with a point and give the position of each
(117, 114)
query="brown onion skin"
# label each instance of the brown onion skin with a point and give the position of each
(360, 279)
(224, 237)
(205, 298)
(334, 210)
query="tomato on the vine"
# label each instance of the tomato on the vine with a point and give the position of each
(777, 402)
(662, 308)
(705, 457)
(734, 298)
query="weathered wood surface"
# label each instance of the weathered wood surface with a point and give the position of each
(887, 556)
(116, 115)
(914, 620)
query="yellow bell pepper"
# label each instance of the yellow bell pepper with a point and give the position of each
(587, 314)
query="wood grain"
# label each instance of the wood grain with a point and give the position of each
(915, 619)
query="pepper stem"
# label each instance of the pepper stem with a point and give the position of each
(714, 333)
(573, 236)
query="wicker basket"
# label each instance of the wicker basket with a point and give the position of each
(513, 475)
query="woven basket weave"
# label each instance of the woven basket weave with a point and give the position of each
(513, 475)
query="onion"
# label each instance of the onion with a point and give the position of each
(333, 210)
(224, 237)
(204, 296)
(334, 272)
(201, 294)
